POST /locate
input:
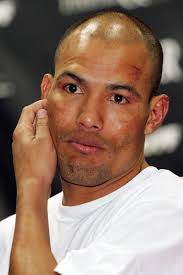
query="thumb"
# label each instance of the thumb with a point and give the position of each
(42, 129)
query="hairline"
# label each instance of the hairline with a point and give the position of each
(150, 41)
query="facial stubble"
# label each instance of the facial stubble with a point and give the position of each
(84, 175)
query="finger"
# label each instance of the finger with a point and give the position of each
(26, 124)
(42, 129)
(28, 114)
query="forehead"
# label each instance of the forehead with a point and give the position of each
(102, 58)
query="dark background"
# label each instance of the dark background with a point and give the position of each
(29, 33)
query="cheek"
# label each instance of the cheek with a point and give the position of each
(61, 115)
(127, 127)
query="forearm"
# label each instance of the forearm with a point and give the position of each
(31, 251)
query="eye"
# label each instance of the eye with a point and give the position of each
(119, 99)
(72, 88)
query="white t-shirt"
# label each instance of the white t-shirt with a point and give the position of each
(135, 230)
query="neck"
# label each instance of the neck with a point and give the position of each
(75, 194)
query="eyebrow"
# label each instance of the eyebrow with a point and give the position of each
(112, 86)
(72, 75)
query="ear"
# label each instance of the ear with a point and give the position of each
(159, 106)
(46, 85)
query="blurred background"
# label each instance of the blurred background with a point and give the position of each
(29, 33)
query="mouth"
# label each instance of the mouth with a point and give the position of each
(83, 148)
(86, 145)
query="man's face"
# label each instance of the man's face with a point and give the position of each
(98, 106)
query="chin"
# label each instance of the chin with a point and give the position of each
(85, 176)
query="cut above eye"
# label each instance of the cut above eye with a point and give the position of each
(72, 88)
(119, 99)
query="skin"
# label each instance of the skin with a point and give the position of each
(96, 134)
(91, 112)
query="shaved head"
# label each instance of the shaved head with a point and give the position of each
(117, 27)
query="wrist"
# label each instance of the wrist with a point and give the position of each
(32, 195)
(33, 188)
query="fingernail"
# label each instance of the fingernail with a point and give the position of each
(42, 113)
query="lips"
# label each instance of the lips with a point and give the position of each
(84, 148)
(86, 144)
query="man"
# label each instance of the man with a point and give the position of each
(117, 214)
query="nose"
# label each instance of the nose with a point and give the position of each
(90, 115)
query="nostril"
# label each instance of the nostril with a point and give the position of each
(89, 121)
(88, 125)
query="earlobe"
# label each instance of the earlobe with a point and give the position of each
(159, 106)
(46, 85)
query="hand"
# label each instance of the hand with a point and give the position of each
(35, 161)
(34, 154)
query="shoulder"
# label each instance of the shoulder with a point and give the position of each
(166, 186)
(6, 231)
(168, 175)
(152, 192)
(6, 238)
(161, 198)
(153, 213)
